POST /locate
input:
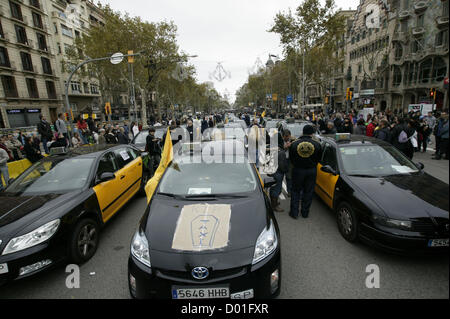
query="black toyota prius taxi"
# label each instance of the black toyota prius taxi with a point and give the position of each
(381, 197)
(208, 232)
(54, 211)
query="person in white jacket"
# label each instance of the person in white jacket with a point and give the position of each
(4, 157)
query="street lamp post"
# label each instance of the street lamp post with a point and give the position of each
(116, 57)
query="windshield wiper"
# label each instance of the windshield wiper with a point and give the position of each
(362, 175)
(215, 196)
(171, 195)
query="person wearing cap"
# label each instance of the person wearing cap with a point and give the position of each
(304, 155)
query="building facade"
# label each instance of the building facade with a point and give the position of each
(28, 69)
(35, 38)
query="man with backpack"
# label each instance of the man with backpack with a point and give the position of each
(402, 133)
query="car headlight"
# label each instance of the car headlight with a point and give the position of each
(266, 244)
(140, 249)
(392, 223)
(33, 238)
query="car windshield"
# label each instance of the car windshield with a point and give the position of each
(296, 129)
(208, 179)
(375, 160)
(53, 176)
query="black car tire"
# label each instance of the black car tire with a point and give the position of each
(85, 236)
(347, 221)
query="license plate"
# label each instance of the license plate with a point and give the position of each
(201, 293)
(3, 268)
(438, 243)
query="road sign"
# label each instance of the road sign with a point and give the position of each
(116, 58)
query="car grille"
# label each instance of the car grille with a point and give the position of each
(215, 275)
(439, 225)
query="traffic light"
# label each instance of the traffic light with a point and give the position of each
(347, 96)
(66, 116)
(130, 58)
(351, 94)
(433, 93)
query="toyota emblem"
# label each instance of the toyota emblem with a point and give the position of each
(200, 273)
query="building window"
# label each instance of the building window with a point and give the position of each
(32, 88)
(75, 86)
(59, 48)
(412, 74)
(94, 89)
(35, 3)
(9, 86)
(397, 76)
(416, 45)
(398, 51)
(37, 20)
(66, 31)
(27, 63)
(21, 34)
(46, 66)
(86, 88)
(359, 68)
(445, 8)
(439, 70)
(441, 38)
(425, 71)
(51, 91)
(4, 59)
(42, 43)
(16, 12)
(420, 20)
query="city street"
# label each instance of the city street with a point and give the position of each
(316, 261)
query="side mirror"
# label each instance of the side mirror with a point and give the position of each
(107, 176)
(420, 166)
(328, 169)
(269, 182)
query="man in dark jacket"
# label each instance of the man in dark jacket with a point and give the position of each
(45, 130)
(304, 155)
(154, 150)
(401, 136)
(383, 133)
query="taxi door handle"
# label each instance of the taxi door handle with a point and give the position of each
(122, 177)
(140, 164)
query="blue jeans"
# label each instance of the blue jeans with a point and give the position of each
(44, 143)
(5, 173)
(275, 190)
(303, 183)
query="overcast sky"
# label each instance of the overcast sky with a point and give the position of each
(233, 32)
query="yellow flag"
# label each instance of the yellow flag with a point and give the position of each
(166, 159)
(264, 114)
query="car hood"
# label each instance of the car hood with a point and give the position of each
(13, 207)
(406, 196)
(247, 219)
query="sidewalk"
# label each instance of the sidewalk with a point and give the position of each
(438, 169)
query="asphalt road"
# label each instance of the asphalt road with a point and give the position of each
(316, 261)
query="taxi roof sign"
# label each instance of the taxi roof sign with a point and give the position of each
(343, 137)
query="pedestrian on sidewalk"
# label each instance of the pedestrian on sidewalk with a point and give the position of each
(304, 155)
(4, 157)
(443, 141)
(45, 130)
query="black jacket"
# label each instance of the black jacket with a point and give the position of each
(305, 153)
(31, 153)
(45, 130)
(383, 134)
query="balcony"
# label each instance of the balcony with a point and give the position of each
(405, 14)
(28, 44)
(418, 31)
(442, 22)
(420, 6)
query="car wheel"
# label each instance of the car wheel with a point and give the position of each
(84, 241)
(347, 222)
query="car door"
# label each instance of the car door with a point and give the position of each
(130, 171)
(326, 182)
(108, 193)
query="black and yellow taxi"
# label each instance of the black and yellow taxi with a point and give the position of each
(209, 230)
(55, 209)
(381, 197)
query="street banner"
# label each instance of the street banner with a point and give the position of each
(423, 108)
